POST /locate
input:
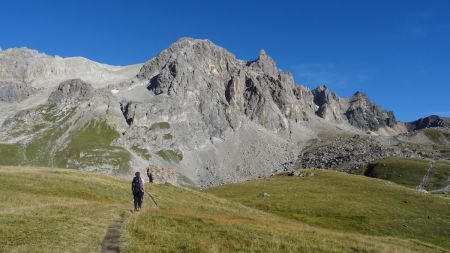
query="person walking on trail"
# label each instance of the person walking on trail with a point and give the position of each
(150, 176)
(137, 187)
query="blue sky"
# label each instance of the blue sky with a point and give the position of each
(396, 51)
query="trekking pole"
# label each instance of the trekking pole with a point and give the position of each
(151, 197)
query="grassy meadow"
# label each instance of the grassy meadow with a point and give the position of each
(345, 202)
(56, 210)
(409, 172)
(59, 210)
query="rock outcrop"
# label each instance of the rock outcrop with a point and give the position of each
(329, 104)
(226, 90)
(24, 65)
(364, 114)
(427, 122)
(71, 90)
(162, 175)
(358, 110)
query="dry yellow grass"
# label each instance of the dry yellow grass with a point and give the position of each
(193, 221)
(53, 210)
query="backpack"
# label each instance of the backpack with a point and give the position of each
(136, 185)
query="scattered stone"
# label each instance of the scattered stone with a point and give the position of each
(294, 173)
(264, 195)
(297, 173)
(347, 153)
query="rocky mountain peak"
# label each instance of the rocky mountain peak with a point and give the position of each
(228, 90)
(328, 103)
(264, 63)
(256, 89)
(364, 114)
(21, 64)
(188, 54)
(20, 51)
(196, 108)
(360, 95)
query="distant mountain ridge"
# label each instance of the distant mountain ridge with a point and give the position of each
(194, 107)
(430, 121)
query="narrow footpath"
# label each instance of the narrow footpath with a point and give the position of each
(111, 241)
(426, 177)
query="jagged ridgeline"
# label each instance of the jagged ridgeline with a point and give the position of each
(194, 107)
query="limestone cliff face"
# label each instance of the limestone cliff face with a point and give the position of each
(24, 65)
(364, 114)
(358, 110)
(15, 92)
(329, 104)
(33, 68)
(226, 90)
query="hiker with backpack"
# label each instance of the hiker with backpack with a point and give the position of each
(137, 187)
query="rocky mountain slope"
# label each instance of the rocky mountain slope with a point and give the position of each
(427, 122)
(194, 107)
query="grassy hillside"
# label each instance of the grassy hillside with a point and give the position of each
(193, 221)
(93, 146)
(51, 210)
(440, 176)
(437, 136)
(349, 203)
(47, 141)
(409, 172)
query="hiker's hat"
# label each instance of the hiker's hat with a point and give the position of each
(137, 174)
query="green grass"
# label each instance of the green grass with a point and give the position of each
(44, 116)
(59, 210)
(442, 149)
(54, 210)
(39, 150)
(405, 171)
(167, 136)
(159, 125)
(143, 152)
(349, 203)
(436, 135)
(170, 155)
(193, 221)
(11, 154)
(49, 113)
(409, 172)
(440, 176)
(93, 146)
